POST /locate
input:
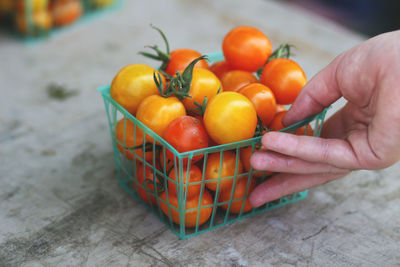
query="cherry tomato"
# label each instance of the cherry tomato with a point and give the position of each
(224, 175)
(220, 68)
(181, 58)
(276, 125)
(239, 195)
(156, 112)
(127, 142)
(246, 48)
(285, 78)
(204, 84)
(191, 179)
(236, 79)
(263, 100)
(202, 214)
(65, 12)
(186, 133)
(132, 84)
(144, 182)
(230, 117)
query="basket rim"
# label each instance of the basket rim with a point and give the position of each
(105, 92)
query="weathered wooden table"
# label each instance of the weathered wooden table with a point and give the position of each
(60, 203)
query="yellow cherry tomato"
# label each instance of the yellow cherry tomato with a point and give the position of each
(156, 112)
(230, 117)
(32, 5)
(204, 84)
(39, 23)
(132, 84)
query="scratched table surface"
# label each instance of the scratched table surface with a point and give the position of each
(60, 204)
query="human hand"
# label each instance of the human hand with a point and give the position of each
(364, 134)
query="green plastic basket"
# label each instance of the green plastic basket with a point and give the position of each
(127, 171)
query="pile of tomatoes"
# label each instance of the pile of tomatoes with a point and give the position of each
(37, 17)
(194, 105)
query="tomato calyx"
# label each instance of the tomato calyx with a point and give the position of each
(180, 84)
(147, 147)
(260, 128)
(200, 108)
(160, 55)
(283, 51)
(160, 186)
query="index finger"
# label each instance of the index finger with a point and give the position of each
(319, 93)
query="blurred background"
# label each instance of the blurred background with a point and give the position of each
(369, 17)
(38, 17)
(59, 199)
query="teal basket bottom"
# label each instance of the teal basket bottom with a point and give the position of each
(127, 184)
(155, 193)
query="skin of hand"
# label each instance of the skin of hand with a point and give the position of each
(364, 134)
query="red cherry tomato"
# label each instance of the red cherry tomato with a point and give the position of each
(186, 133)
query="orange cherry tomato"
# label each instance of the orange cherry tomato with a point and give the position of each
(245, 154)
(132, 84)
(185, 134)
(192, 180)
(156, 112)
(230, 117)
(239, 196)
(181, 58)
(220, 68)
(143, 184)
(236, 79)
(202, 214)
(204, 84)
(128, 141)
(263, 100)
(285, 78)
(65, 12)
(276, 125)
(224, 175)
(246, 48)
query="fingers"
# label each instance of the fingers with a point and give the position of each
(335, 152)
(320, 92)
(285, 184)
(272, 161)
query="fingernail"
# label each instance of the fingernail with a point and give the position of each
(254, 201)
